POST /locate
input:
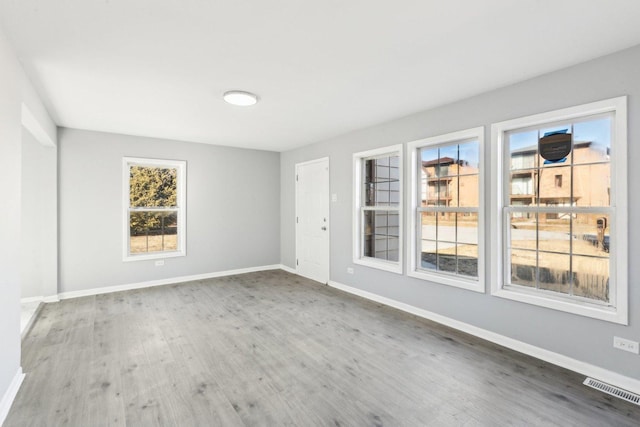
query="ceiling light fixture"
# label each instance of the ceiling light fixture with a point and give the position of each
(240, 98)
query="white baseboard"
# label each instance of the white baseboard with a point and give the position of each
(288, 269)
(162, 282)
(31, 299)
(10, 395)
(50, 298)
(613, 378)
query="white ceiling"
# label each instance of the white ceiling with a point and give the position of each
(321, 68)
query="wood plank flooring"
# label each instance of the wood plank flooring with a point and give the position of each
(274, 349)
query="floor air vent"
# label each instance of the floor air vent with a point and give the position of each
(613, 391)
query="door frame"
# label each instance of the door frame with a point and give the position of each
(297, 198)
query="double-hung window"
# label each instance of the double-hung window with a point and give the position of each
(378, 208)
(154, 208)
(446, 215)
(562, 237)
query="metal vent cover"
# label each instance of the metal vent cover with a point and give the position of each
(613, 390)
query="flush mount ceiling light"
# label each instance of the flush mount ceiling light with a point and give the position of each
(240, 98)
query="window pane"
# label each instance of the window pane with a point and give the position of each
(382, 181)
(469, 158)
(429, 223)
(447, 160)
(553, 271)
(523, 268)
(153, 232)
(522, 230)
(591, 234)
(428, 255)
(439, 250)
(468, 191)
(591, 277)
(468, 260)
(592, 185)
(429, 160)
(152, 187)
(554, 232)
(523, 149)
(555, 186)
(446, 227)
(523, 187)
(381, 235)
(592, 140)
(467, 228)
(447, 257)
(430, 192)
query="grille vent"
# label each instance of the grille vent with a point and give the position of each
(613, 391)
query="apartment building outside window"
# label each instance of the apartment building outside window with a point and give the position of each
(562, 235)
(446, 214)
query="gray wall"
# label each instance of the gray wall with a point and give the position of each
(233, 209)
(577, 337)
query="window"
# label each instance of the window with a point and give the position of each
(154, 208)
(378, 208)
(447, 210)
(558, 181)
(563, 240)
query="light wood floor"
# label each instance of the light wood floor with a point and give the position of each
(274, 349)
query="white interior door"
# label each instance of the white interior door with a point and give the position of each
(312, 219)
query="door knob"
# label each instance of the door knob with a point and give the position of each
(324, 228)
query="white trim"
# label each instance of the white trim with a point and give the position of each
(619, 250)
(51, 298)
(478, 285)
(181, 166)
(390, 266)
(32, 124)
(622, 381)
(10, 395)
(162, 282)
(287, 269)
(31, 299)
(24, 329)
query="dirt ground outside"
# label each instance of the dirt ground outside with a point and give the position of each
(144, 244)
(564, 262)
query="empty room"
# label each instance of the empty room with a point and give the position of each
(338, 213)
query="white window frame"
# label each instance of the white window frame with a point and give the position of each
(450, 279)
(358, 209)
(617, 309)
(181, 167)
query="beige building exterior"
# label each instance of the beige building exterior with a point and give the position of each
(589, 173)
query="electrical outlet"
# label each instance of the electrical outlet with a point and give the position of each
(159, 263)
(350, 270)
(626, 345)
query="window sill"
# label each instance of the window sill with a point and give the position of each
(155, 255)
(595, 311)
(442, 279)
(389, 266)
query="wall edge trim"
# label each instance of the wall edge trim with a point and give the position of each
(613, 378)
(10, 395)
